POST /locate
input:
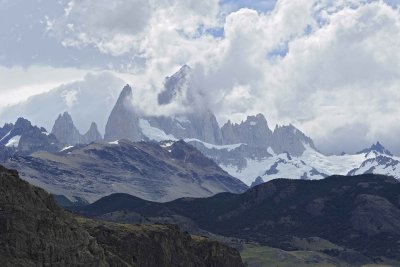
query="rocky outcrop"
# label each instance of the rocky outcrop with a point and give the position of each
(202, 126)
(92, 135)
(291, 140)
(34, 231)
(253, 132)
(123, 122)
(133, 244)
(66, 132)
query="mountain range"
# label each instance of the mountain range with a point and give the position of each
(249, 151)
(216, 183)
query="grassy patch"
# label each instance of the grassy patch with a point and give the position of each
(257, 256)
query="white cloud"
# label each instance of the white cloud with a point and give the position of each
(17, 83)
(88, 99)
(329, 67)
(123, 26)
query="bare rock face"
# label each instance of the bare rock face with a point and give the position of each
(65, 130)
(291, 140)
(253, 132)
(134, 243)
(123, 122)
(92, 135)
(202, 126)
(206, 128)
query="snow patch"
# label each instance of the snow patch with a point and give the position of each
(116, 142)
(66, 148)
(167, 144)
(212, 146)
(154, 133)
(13, 142)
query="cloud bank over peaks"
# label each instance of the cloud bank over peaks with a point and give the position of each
(328, 67)
(87, 100)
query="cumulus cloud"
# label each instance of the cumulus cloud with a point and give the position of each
(329, 67)
(123, 26)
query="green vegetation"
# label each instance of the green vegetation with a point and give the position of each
(254, 255)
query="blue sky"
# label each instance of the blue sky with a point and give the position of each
(261, 5)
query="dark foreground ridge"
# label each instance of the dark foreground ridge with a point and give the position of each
(34, 231)
(360, 214)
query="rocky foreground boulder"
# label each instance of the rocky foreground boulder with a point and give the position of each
(34, 231)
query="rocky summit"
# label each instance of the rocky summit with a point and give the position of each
(66, 132)
(123, 122)
(34, 231)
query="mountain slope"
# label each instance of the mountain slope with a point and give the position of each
(34, 231)
(152, 171)
(355, 212)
